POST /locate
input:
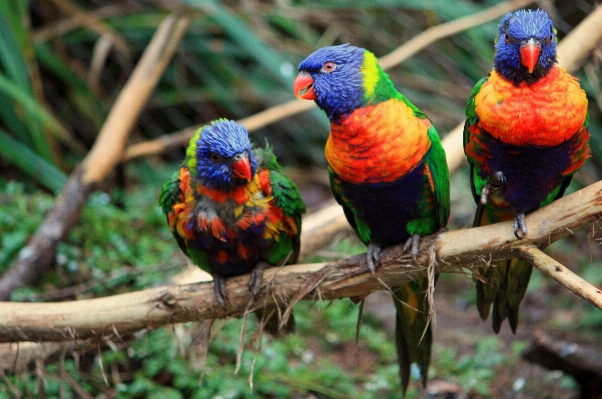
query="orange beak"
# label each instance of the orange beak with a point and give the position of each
(242, 168)
(529, 54)
(304, 86)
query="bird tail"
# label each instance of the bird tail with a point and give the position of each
(269, 317)
(502, 284)
(413, 334)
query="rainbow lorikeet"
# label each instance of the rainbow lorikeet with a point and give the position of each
(525, 136)
(387, 170)
(231, 209)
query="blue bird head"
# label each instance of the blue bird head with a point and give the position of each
(223, 155)
(332, 76)
(526, 46)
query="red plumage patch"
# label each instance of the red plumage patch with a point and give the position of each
(292, 227)
(215, 195)
(243, 251)
(246, 220)
(545, 113)
(218, 229)
(377, 144)
(264, 182)
(215, 226)
(222, 257)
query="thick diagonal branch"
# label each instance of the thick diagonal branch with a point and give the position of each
(560, 273)
(347, 278)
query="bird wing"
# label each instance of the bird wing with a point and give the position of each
(170, 195)
(439, 175)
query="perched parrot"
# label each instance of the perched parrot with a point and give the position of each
(525, 136)
(231, 209)
(387, 170)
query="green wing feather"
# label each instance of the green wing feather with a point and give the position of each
(170, 192)
(470, 110)
(168, 197)
(472, 119)
(437, 162)
(286, 196)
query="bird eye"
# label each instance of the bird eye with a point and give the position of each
(329, 66)
(214, 157)
(507, 37)
(551, 38)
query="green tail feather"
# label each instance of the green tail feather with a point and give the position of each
(519, 274)
(413, 334)
(488, 289)
(502, 285)
(505, 286)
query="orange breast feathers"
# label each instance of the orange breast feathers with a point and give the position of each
(546, 113)
(377, 144)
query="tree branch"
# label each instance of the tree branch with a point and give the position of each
(37, 256)
(582, 361)
(20, 356)
(125, 313)
(560, 273)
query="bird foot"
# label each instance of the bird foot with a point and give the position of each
(520, 225)
(219, 288)
(496, 182)
(256, 278)
(485, 193)
(414, 243)
(373, 257)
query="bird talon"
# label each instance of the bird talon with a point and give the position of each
(412, 243)
(520, 225)
(256, 278)
(415, 245)
(219, 288)
(407, 245)
(496, 182)
(373, 257)
(485, 193)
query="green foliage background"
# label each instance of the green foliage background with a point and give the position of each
(238, 58)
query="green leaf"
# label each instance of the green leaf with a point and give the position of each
(31, 163)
